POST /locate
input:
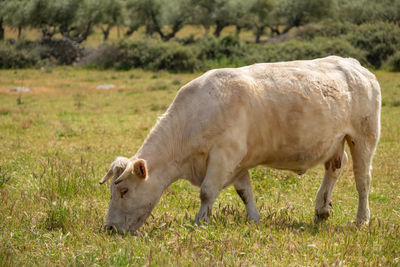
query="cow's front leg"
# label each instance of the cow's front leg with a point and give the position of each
(333, 169)
(243, 188)
(208, 194)
(219, 175)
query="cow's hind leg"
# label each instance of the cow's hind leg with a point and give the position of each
(362, 150)
(243, 188)
(333, 169)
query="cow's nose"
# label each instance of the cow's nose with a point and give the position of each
(110, 228)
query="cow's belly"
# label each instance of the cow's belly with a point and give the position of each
(306, 152)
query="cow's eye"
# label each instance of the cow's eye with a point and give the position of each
(123, 191)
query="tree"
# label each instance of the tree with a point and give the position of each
(260, 16)
(175, 14)
(157, 14)
(144, 12)
(16, 14)
(221, 13)
(60, 16)
(294, 13)
(2, 2)
(242, 14)
(224, 14)
(103, 13)
(364, 11)
(202, 10)
(1, 29)
(132, 17)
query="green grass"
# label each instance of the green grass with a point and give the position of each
(57, 142)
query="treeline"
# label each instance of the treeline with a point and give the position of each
(368, 30)
(76, 19)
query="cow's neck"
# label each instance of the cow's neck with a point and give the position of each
(162, 151)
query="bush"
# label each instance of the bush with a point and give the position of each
(379, 40)
(104, 57)
(212, 53)
(26, 54)
(393, 62)
(327, 28)
(178, 58)
(297, 50)
(213, 48)
(64, 50)
(11, 57)
(154, 54)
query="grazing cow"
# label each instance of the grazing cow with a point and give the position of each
(288, 115)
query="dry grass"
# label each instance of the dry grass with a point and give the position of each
(57, 141)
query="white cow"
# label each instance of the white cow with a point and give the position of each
(288, 115)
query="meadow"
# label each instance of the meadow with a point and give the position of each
(57, 141)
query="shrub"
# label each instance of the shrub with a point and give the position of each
(104, 57)
(213, 48)
(327, 28)
(25, 54)
(393, 62)
(64, 50)
(154, 54)
(379, 40)
(178, 58)
(296, 50)
(212, 53)
(11, 57)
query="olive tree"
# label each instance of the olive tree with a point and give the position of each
(16, 14)
(1, 20)
(294, 13)
(260, 17)
(364, 11)
(104, 14)
(221, 13)
(164, 18)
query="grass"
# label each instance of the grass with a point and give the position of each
(57, 142)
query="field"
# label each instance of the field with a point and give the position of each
(58, 141)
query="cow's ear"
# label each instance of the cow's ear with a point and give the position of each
(140, 168)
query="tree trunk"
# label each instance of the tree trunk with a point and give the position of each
(287, 29)
(206, 30)
(274, 30)
(238, 29)
(175, 28)
(130, 31)
(259, 32)
(47, 33)
(218, 29)
(149, 30)
(19, 32)
(106, 32)
(82, 36)
(1, 30)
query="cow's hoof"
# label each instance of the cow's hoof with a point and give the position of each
(322, 215)
(255, 218)
(200, 220)
(361, 222)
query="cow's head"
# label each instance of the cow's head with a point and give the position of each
(133, 194)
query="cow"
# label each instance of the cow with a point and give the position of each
(287, 115)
